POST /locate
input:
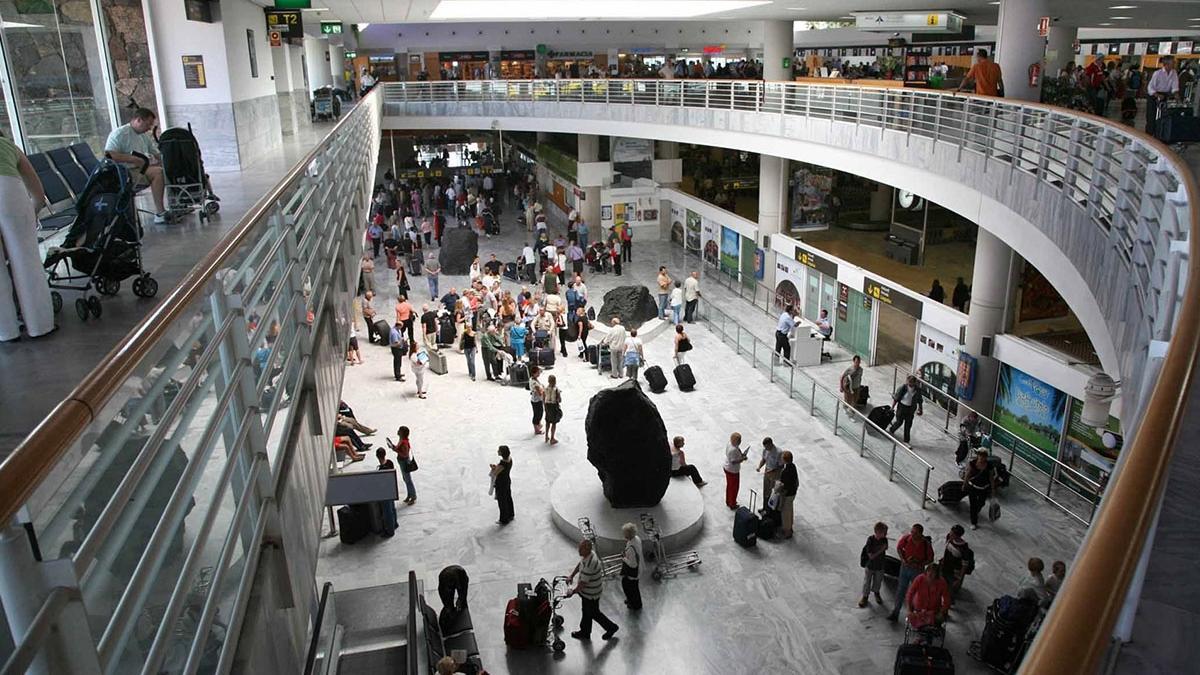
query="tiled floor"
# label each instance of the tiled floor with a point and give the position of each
(782, 608)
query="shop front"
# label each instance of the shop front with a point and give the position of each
(518, 64)
(570, 64)
(463, 65)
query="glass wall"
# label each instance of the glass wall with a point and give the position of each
(57, 72)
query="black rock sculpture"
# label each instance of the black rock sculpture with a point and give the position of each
(460, 245)
(633, 305)
(627, 443)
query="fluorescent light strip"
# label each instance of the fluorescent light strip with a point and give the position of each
(482, 10)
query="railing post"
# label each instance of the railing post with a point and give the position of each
(812, 400)
(791, 381)
(837, 409)
(892, 464)
(895, 374)
(737, 341)
(925, 488)
(862, 440)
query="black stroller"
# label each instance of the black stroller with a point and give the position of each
(103, 245)
(186, 185)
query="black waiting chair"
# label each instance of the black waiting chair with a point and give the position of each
(86, 158)
(69, 169)
(57, 194)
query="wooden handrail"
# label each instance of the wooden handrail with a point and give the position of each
(32, 461)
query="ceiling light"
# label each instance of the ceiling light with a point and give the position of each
(482, 10)
(326, 9)
(1120, 18)
(1124, 7)
(17, 24)
(361, 26)
(1104, 24)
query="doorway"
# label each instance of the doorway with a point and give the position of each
(895, 337)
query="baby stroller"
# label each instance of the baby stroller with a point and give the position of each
(103, 245)
(186, 184)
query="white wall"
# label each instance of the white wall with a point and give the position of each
(315, 51)
(175, 37)
(283, 71)
(236, 17)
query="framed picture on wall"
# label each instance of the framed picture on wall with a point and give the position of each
(606, 212)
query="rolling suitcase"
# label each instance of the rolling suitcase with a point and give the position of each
(446, 332)
(951, 492)
(593, 354)
(769, 522)
(541, 338)
(864, 395)
(658, 381)
(542, 357)
(605, 356)
(382, 331)
(684, 378)
(923, 659)
(1178, 125)
(745, 524)
(510, 271)
(891, 566)
(516, 631)
(881, 416)
(518, 375)
(353, 524)
(414, 263)
(437, 362)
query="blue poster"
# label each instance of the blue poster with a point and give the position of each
(1031, 410)
(731, 243)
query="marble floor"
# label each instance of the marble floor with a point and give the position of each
(783, 607)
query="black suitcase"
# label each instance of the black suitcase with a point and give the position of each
(891, 566)
(353, 523)
(656, 378)
(745, 524)
(684, 378)
(382, 332)
(518, 375)
(605, 358)
(510, 271)
(542, 357)
(769, 522)
(923, 660)
(593, 354)
(951, 492)
(1000, 642)
(864, 395)
(414, 263)
(881, 416)
(445, 335)
(1178, 125)
(1003, 478)
(541, 338)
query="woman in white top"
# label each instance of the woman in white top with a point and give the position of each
(679, 465)
(631, 566)
(634, 354)
(475, 271)
(677, 303)
(418, 360)
(734, 456)
(353, 356)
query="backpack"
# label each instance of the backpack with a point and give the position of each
(572, 297)
(968, 559)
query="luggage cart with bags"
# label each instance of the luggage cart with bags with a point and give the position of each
(666, 564)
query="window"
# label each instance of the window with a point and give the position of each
(253, 56)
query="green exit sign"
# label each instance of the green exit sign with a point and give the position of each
(331, 27)
(293, 4)
(350, 54)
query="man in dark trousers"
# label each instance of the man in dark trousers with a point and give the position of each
(783, 332)
(960, 295)
(399, 347)
(907, 400)
(591, 584)
(791, 482)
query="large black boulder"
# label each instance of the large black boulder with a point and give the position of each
(633, 305)
(627, 443)
(460, 245)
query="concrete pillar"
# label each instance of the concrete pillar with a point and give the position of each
(1019, 46)
(772, 196)
(280, 57)
(668, 168)
(991, 291)
(777, 45)
(337, 65)
(589, 207)
(1060, 48)
(317, 65)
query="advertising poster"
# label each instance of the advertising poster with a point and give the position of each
(937, 356)
(1031, 410)
(1084, 450)
(1039, 300)
(731, 246)
(632, 157)
(789, 279)
(677, 219)
(811, 188)
(693, 230)
(620, 216)
(709, 238)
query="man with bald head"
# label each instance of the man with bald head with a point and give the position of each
(591, 584)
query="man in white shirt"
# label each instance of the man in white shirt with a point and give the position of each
(1164, 84)
(734, 456)
(529, 260)
(616, 347)
(691, 296)
(130, 145)
(589, 588)
(783, 332)
(907, 400)
(581, 289)
(631, 566)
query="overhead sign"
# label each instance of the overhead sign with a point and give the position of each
(275, 38)
(293, 4)
(331, 28)
(289, 22)
(1044, 26)
(816, 262)
(889, 296)
(914, 22)
(714, 49)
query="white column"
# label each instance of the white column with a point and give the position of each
(668, 168)
(777, 45)
(772, 195)
(1019, 46)
(990, 293)
(1060, 48)
(589, 207)
(314, 60)
(337, 62)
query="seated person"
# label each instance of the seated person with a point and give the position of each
(679, 465)
(824, 328)
(928, 598)
(128, 144)
(342, 444)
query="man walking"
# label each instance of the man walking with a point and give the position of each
(915, 553)
(691, 296)
(432, 270)
(770, 464)
(783, 333)
(907, 400)
(591, 584)
(399, 345)
(734, 456)
(851, 381)
(1164, 84)
(790, 479)
(490, 343)
(664, 291)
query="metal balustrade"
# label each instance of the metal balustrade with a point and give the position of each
(156, 480)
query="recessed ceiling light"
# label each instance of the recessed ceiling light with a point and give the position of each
(480, 10)
(1120, 18)
(994, 3)
(1104, 24)
(1124, 7)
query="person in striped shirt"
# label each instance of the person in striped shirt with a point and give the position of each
(591, 584)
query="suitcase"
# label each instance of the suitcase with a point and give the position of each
(658, 381)
(593, 354)
(684, 378)
(518, 375)
(445, 335)
(353, 524)
(382, 331)
(605, 358)
(1002, 476)
(864, 394)
(923, 660)
(1178, 125)
(542, 357)
(745, 524)
(881, 416)
(891, 566)
(516, 631)
(437, 362)
(414, 264)
(510, 271)
(769, 522)
(951, 492)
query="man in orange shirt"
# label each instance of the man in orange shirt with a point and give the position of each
(985, 75)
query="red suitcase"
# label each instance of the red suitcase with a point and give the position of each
(516, 632)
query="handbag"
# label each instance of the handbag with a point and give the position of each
(412, 464)
(993, 510)
(685, 345)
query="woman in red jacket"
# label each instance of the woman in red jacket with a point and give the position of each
(928, 598)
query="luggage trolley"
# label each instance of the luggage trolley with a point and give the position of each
(558, 593)
(611, 563)
(666, 564)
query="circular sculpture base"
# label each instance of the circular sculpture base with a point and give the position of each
(578, 493)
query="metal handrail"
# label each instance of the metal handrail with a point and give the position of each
(313, 644)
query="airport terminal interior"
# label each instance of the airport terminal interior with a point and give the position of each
(668, 336)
